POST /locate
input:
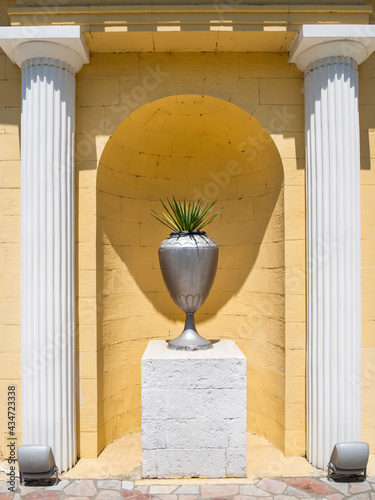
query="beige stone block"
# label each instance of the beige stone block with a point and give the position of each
(9, 146)
(143, 165)
(290, 145)
(368, 334)
(87, 338)
(12, 117)
(120, 306)
(190, 189)
(10, 93)
(136, 210)
(295, 392)
(87, 308)
(368, 436)
(150, 280)
(245, 93)
(367, 197)
(153, 233)
(2, 120)
(10, 229)
(12, 71)
(10, 283)
(295, 226)
(87, 365)
(88, 392)
(261, 354)
(368, 311)
(9, 368)
(295, 281)
(295, 253)
(85, 147)
(86, 256)
(275, 229)
(368, 253)
(294, 171)
(10, 310)
(88, 445)
(86, 228)
(113, 256)
(267, 65)
(367, 280)
(295, 335)
(126, 233)
(86, 173)
(10, 201)
(295, 363)
(11, 338)
(3, 59)
(236, 256)
(295, 442)
(87, 284)
(367, 416)
(113, 357)
(367, 172)
(88, 418)
(366, 94)
(112, 65)
(295, 415)
(294, 197)
(280, 118)
(86, 200)
(104, 234)
(90, 119)
(10, 174)
(281, 91)
(98, 92)
(366, 117)
(276, 281)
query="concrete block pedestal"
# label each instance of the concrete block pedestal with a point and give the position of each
(193, 411)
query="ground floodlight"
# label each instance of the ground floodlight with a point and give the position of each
(36, 462)
(348, 459)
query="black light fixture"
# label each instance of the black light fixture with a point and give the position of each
(36, 462)
(348, 459)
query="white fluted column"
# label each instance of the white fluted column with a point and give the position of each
(49, 388)
(333, 389)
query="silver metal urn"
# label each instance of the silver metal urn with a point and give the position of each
(188, 262)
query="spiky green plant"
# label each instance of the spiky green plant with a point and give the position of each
(192, 215)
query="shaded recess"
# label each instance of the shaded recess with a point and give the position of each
(190, 146)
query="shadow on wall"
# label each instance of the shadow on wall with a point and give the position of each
(188, 146)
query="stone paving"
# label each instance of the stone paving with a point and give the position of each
(303, 488)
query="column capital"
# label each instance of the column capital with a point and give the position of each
(65, 43)
(319, 41)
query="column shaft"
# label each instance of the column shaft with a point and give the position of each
(333, 256)
(47, 257)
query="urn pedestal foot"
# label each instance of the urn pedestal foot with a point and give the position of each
(189, 340)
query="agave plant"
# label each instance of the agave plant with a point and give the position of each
(192, 215)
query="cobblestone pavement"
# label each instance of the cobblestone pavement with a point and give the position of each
(264, 489)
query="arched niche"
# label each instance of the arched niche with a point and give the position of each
(190, 146)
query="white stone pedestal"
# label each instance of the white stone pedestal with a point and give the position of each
(194, 411)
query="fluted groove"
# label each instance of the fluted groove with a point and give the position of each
(47, 257)
(333, 256)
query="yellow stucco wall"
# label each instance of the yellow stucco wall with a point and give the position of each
(111, 90)
(367, 126)
(10, 341)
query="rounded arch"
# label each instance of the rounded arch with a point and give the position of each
(190, 146)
